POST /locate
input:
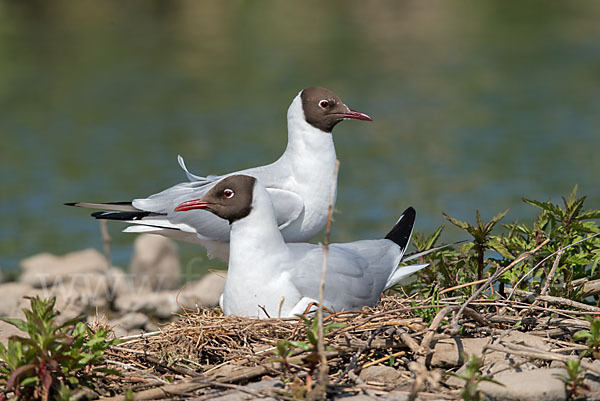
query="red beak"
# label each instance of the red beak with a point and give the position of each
(191, 205)
(357, 115)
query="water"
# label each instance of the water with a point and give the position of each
(476, 104)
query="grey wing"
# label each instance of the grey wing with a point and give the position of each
(356, 272)
(385, 256)
(287, 204)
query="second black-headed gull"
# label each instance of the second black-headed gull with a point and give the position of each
(270, 278)
(298, 183)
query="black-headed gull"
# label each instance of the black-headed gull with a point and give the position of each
(299, 183)
(268, 277)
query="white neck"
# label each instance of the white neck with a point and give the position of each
(307, 144)
(256, 237)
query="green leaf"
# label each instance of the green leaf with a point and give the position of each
(489, 379)
(433, 238)
(545, 206)
(282, 347)
(333, 326)
(572, 196)
(495, 220)
(305, 320)
(458, 223)
(498, 246)
(95, 341)
(312, 337)
(301, 344)
(30, 380)
(18, 323)
(589, 214)
(582, 335)
(86, 358)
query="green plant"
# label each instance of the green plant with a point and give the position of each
(54, 358)
(482, 240)
(392, 360)
(564, 226)
(472, 378)
(574, 379)
(568, 228)
(591, 337)
(428, 314)
(439, 270)
(286, 348)
(444, 267)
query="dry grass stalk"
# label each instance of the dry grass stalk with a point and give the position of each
(320, 390)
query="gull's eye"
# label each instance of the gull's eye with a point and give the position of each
(324, 104)
(228, 193)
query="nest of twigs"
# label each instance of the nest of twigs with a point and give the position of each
(204, 353)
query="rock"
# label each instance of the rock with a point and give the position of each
(494, 363)
(447, 353)
(382, 374)
(155, 263)
(518, 337)
(162, 305)
(204, 292)
(69, 305)
(46, 270)
(533, 385)
(120, 283)
(131, 321)
(12, 298)
(78, 279)
(7, 330)
(593, 384)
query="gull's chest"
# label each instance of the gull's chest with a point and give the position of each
(252, 294)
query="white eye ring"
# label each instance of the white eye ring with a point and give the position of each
(228, 193)
(324, 104)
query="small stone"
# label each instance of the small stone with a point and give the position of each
(593, 384)
(12, 298)
(7, 330)
(155, 263)
(204, 292)
(533, 385)
(119, 283)
(383, 374)
(131, 321)
(518, 337)
(447, 353)
(45, 270)
(162, 305)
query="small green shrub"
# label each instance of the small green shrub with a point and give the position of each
(564, 226)
(54, 359)
(591, 337)
(472, 378)
(574, 379)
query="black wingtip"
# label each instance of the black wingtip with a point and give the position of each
(120, 215)
(70, 203)
(402, 231)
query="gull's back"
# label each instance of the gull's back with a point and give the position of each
(357, 272)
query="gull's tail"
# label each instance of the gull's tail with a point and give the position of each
(402, 231)
(401, 234)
